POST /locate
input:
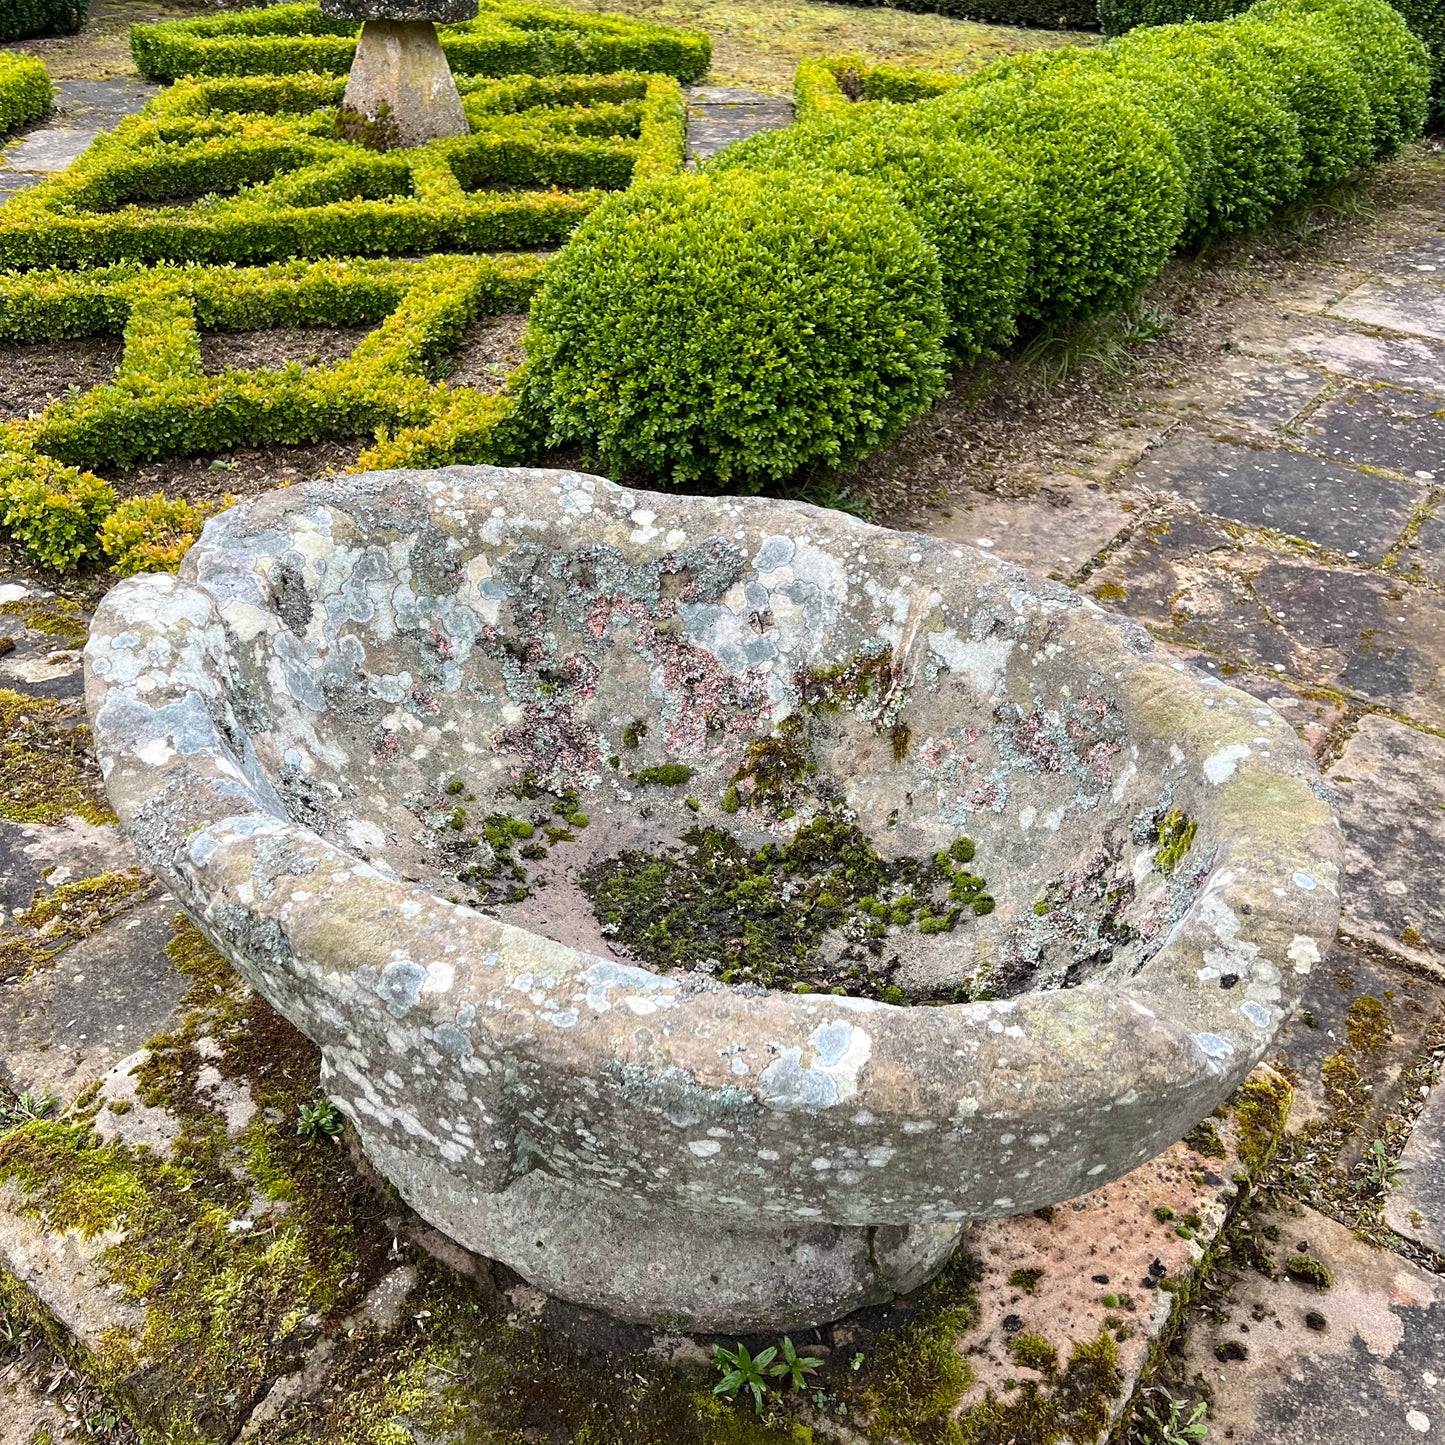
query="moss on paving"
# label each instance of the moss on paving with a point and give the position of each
(62, 917)
(46, 771)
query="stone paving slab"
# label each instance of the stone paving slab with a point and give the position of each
(48, 150)
(1389, 787)
(1252, 394)
(1350, 1046)
(1268, 609)
(718, 116)
(1404, 361)
(1056, 531)
(1395, 430)
(27, 1414)
(1286, 1363)
(1408, 304)
(1334, 506)
(1416, 1204)
(103, 103)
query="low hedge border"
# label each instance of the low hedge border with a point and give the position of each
(1426, 19)
(1049, 186)
(272, 182)
(505, 39)
(26, 19)
(25, 92)
(162, 404)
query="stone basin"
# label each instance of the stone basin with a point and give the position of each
(381, 731)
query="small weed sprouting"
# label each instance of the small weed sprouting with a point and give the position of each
(742, 1371)
(794, 1366)
(1381, 1170)
(1176, 1428)
(25, 1109)
(319, 1118)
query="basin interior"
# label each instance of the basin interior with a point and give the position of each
(752, 749)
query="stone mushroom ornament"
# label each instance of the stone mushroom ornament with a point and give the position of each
(400, 91)
(301, 731)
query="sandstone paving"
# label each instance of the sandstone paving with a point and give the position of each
(718, 116)
(1283, 1361)
(1341, 508)
(1408, 304)
(1415, 1207)
(1389, 788)
(1399, 431)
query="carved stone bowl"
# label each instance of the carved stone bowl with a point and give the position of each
(382, 731)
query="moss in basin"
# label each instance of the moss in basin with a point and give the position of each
(760, 917)
(46, 770)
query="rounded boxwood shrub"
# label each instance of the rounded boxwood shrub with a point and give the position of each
(975, 207)
(1256, 151)
(1320, 87)
(737, 328)
(1109, 182)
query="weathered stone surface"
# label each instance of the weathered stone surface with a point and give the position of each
(1268, 609)
(718, 116)
(104, 103)
(1054, 532)
(707, 620)
(1390, 791)
(439, 12)
(1397, 303)
(94, 1004)
(1416, 1203)
(1337, 507)
(1251, 395)
(1400, 432)
(1350, 1044)
(1404, 361)
(1359, 1361)
(401, 86)
(27, 1413)
(51, 149)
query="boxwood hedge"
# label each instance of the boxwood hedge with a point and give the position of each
(24, 91)
(1426, 19)
(676, 334)
(23, 19)
(508, 37)
(738, 327)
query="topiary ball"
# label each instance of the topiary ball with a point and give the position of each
(1109, 182)
(737, 328)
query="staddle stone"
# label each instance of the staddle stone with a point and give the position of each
(400, 91)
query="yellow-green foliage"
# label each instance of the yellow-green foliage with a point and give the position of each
(45, 769)
(276, 182)
(24, 90)
(1175, 835)
(151, 534)
(506, 37)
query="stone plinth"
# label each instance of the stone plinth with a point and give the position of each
(400, 91)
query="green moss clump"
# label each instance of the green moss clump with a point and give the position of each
(1367, 1025)
(633, 734)
(1026, 1279)
(56, 920)
(46, 770)
(1308, 1270)
(759, 917)
(1033, 1352)
(667, 775)
(56, 617)
(1260, 1106)
(1204, 1139)
(1175, 835)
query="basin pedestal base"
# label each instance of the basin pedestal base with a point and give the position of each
(400, 91)
(665, 1267)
